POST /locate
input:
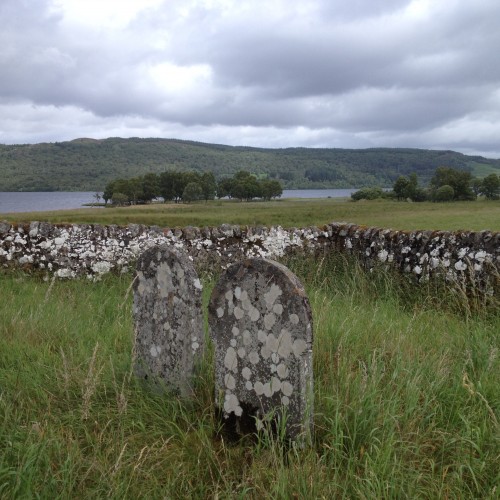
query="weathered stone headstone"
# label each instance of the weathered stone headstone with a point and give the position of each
(260, 321)
(168, 319)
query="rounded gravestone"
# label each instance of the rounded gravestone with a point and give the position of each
(260, 321)
(169, 339)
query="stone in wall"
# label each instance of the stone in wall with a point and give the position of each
(261, 324)
(169, 337)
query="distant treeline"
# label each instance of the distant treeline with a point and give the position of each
(88, 165)
(188, 187)
(447, 184)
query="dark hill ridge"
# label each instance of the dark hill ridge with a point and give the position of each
(89, 164)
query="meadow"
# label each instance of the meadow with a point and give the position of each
(477, 215)
(406, 390)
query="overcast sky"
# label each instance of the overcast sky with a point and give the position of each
(270, 73)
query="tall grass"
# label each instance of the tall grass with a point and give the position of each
(406, 400)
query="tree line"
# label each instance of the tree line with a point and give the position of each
(447, 184)
(186, 187)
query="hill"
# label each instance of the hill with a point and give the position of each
(89, 164)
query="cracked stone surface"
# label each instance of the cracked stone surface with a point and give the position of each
(261, 324)
(168, 319)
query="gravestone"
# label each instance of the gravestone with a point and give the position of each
(261, 324)
(169, 338)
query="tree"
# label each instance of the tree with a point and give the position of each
(271, 189)
(476, 186)
(208, 185)
(108, 192)
(400, 187)
(459, 180)
(119, 199)
(245, 186)
(150, 187)
(406, 188)
(192, 192)
(224, 188)
(172, 185)
(490, 187)
(445, 193)
(368, 194)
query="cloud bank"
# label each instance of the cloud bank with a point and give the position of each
(274, 73)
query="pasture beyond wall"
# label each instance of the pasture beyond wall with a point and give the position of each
(68, 251)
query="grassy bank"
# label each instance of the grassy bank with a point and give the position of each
(476, 215)
(406, 400)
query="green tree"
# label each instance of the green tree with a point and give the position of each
(271, 189)
(245, 186)
(224, 187)
(171, 185)
(208, 185)
(400, 187)
(476, 186)
(192, 192)
(119, 199)
(445, 193)
(368, 194)
(150, 187)
(490, 187)
(108, 192)
(459, 180)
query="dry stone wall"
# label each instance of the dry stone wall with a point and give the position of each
(92, 250)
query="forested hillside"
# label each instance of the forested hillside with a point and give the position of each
(88, 164)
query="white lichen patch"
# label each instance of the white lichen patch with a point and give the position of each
(271, 296)
(253, 357)
(231, 404)
(253, 313)
(231, 360)
(247, 338)
(282, 371)
(155, 350)
(299, 347)
(269, 321)
(230, 381)
(278, 309)
(285, 343)
(258, 387)
(287, 388)
(238, 313)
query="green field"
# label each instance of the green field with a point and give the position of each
(476, 215)
(406, 399)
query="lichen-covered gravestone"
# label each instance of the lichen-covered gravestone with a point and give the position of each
(260, 321)
(169, 338)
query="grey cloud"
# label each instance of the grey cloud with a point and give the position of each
(322, 72)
